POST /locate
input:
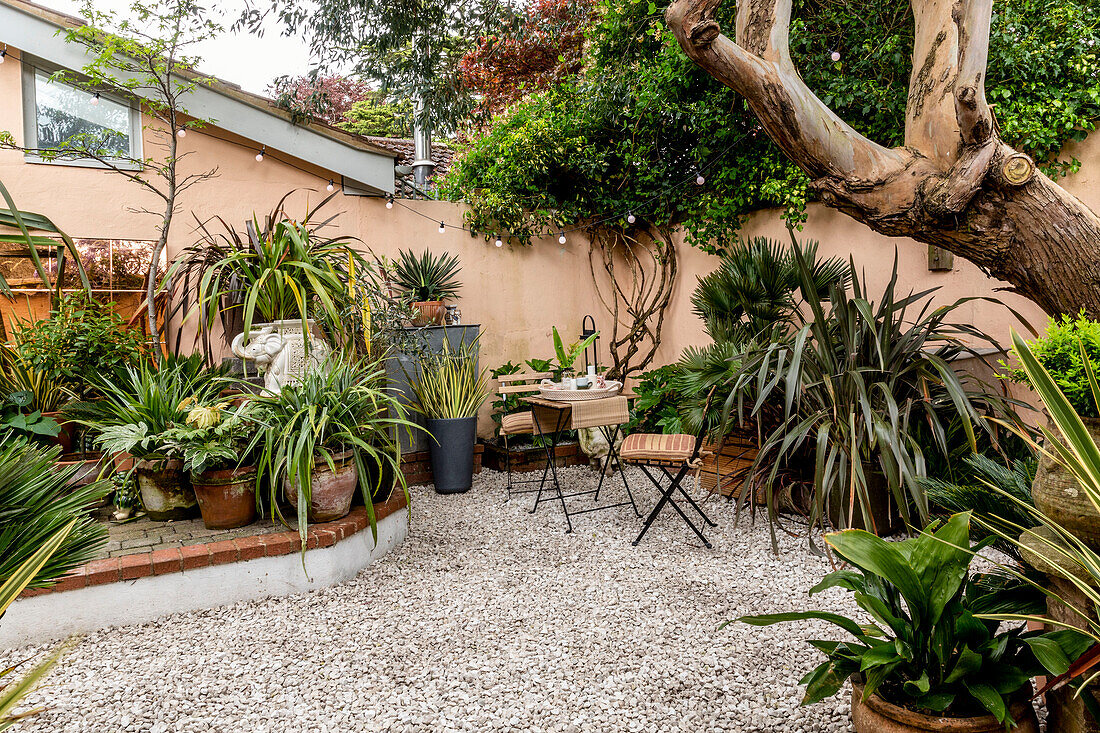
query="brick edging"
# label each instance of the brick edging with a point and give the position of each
(178, 559)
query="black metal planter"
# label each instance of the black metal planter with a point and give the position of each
(452, 449)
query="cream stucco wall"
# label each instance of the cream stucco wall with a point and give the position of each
(515, 293)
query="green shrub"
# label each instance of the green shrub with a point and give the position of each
(656, 409)
(1060, 352)
(81, 338)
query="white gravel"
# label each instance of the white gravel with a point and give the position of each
(486, 619)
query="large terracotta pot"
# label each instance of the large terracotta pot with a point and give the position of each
(1058, 495)
(875, 715)
(429, 312)
(88, 467)
(332, 491)
(227, 497)
(165, 491)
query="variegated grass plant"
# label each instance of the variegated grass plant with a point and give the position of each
(1070, 444)
(450, 384)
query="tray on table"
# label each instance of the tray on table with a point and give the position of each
(553, 391)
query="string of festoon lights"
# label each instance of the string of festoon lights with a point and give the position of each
(630, 214)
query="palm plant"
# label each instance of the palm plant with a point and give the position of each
(36, 502)
(342, 405)
(755, 287)
(279, 269)
(10, 588)
(428, 277)
(853, 382)
(450, 385)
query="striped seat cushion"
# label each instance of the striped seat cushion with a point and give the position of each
(517, 423)
(643, 447)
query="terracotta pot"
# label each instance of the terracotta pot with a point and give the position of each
(332, 491)
(431, 312)
(66, 437)
(89, 466)
(1058, 495)
(227, 497)
(165, 490)
(875, 715)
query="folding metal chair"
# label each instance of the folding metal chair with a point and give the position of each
(682, 453)
(519, 423)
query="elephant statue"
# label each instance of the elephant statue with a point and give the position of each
(280, 350)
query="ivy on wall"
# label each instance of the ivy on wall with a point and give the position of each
(641, 117)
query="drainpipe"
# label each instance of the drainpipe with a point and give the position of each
(423, 165)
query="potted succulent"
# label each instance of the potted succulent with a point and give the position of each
(935, 658)
(217, 445)
(276, 289)
(449, 391)
(327, 434)
(136, 410)
(427, 281)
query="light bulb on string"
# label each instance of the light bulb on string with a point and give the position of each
(260, 155)
(561, 238)
(499, 242)
(3, 54)
(835, 56)
(699, 180)
(95, 99)
(331, 185)
(630, 219)
(181, 133)
(442, 227)
(389, 202)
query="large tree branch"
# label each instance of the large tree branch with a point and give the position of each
(972, 110)
(758, 67)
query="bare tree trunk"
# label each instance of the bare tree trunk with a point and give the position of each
(954, 184)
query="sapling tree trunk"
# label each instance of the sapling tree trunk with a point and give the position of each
(953, 184)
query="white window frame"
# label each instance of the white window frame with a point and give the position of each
(30, 123)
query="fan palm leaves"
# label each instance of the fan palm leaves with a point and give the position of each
(756, 285)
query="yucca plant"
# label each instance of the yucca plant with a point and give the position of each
(338, 406)
(852, 383)
(449, 384)
(427, 277)
(280, 268)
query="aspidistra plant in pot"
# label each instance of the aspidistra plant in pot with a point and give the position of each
(327, 434)
(935, 656)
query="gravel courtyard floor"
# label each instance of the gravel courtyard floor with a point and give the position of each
(486, 619)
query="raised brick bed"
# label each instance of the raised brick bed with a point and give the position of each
(417, 467)
(173, 547)
(530, 458)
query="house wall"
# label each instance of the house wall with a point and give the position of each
(515, 293)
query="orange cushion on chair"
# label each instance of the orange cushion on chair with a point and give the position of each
(517, 423)
(642, 447)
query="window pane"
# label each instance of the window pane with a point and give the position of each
(63, 111)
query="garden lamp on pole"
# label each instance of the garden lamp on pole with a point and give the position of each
(588, 327)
